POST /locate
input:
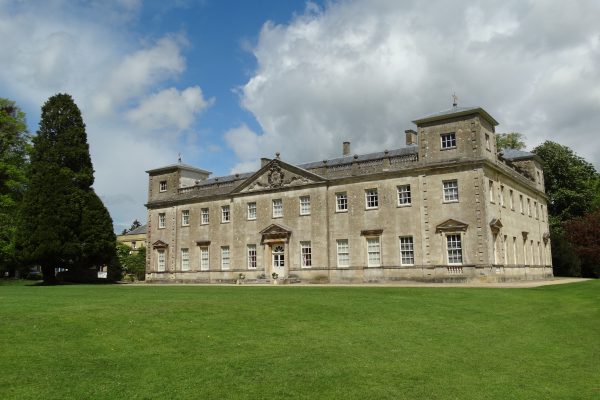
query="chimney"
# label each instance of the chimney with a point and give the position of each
(411, 137)
(264, 161)
(346, 149)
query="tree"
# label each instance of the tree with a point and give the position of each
(133, 261)
(570, 181)
(14, 144)
(512, 140)
(584, 235)
(60, 208)
(135, 224)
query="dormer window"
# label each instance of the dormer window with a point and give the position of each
(448, 140)
(162, 186)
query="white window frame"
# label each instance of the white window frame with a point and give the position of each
(251, 255)
(225, 214)
(373, 251)
(185, 259)
(162, 186)
(251, 210)
(185, 218)
(204, 258)
(448, 140)
(225, 258)
(305, 254)
(161, 260)
(450, 192)
(277, 206)
(341, 202)
(204, 216)
(454, 249)
(343, 253)
(304, 205)
(407, 250)
(404, 196)
(371, 199)
(162, 220)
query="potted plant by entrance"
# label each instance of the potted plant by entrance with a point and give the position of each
(241, 278)
(274, 275)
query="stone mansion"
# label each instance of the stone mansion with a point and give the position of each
(447, 207)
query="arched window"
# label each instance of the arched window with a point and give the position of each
(278, 256)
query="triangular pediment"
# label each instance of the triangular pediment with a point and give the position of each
(495, 225)
(277, 174)
(159, 244)
(275, 229)
(451, 225)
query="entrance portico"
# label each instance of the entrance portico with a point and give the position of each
(275, 240)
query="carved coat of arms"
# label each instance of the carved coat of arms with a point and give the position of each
(275, 177)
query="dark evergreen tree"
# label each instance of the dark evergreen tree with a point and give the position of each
(135, 224)
(14, 142)
(56, 229)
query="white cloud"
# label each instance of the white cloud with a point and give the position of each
(169, 109)
(116, 82)
(362, 70)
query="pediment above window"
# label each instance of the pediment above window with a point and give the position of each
(159, 244)
(278, 174)
(451, 225)
(495, 225)
(275, 233)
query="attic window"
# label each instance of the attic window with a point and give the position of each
(448, 140)
(162, 187)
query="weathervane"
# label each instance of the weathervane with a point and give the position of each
(179, 157)
(454, 99)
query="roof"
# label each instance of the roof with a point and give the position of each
(140, 230)
(183, 166)
(456, 111)
(513, 154)
(363, 157)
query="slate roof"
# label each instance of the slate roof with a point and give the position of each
(364, 157)
(456, 111)
(180, 166)
(138, 231)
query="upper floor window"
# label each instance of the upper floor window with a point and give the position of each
(252, 210)
(185, 217)
(512, 201)
(404, 195)
(529, 206)
(448, 140)
(521, 203)
(277, 208)
(501, 195)
(454, 247)
(225, 214)
(306, 254)
(450, 190)
(204, 219)
(162, 220)
(304, 205)
(542, 212)
(343, 253)
(162, 186)
(341, 201)
(535, 208)
(487, 142)
(371, 198)
(491, 190)
(407, 252)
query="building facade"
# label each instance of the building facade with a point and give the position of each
(447, 207)
(135, 238)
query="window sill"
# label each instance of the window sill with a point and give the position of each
(404, 205)
(371, 208)
(449, 201)
(448, 148)
(341, 211)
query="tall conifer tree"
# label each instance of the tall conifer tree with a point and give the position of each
(55, 220)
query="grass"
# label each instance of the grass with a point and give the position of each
(212, 342)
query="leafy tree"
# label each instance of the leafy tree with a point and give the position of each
(512, 140)
(14, 143)
(584, 234)
(60, 208)
(570, 181)
(133, 261)
(135, 224)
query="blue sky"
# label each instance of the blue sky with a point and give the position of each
(227, 82)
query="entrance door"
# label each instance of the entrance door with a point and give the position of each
(278, 260)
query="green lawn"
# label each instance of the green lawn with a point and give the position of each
(213, 342)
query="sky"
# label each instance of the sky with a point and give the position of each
(223, 83)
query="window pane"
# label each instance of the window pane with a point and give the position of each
(454, 249)
(407, 256)
(251, 256)
(341, 202)
(372, 199)
(404, 195)
(373, 250)
(450, 190)
(304, 205)
(343, 253)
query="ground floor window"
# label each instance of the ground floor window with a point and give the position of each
(161, 260)
(454, 246)
(373, 252)
(343, 253)
(204, 266)
(278, 256)
(251, 256)
(306, 254)
(185, 259)
(225, 258)
(407, 254)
